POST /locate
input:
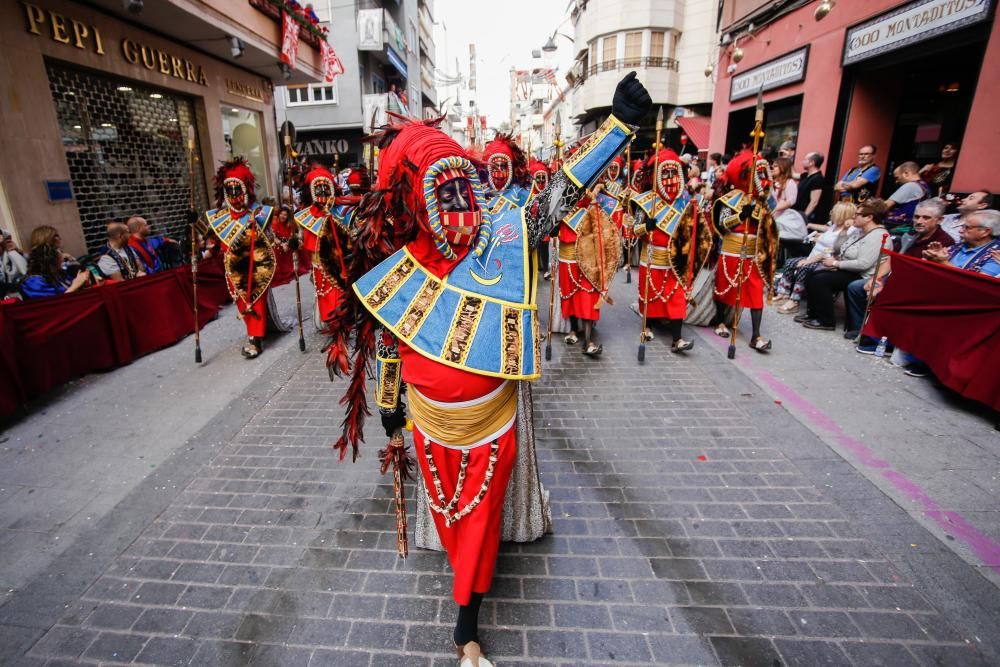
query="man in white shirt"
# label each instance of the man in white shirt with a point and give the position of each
(974, 201)
(119, 261)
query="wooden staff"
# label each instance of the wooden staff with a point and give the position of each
(395, 456)
(554, 249)
(626, 245)
(692, 252)
(194, 248)
(871, 290)
(649, 240)
(757, 134)
(295, 252)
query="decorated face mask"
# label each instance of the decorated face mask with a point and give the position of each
(541, 180)
(322, 192)
(500, 170)
(235, 194)
(613, 172)
(668, 184)
(637, 179)
(460, 217)
(762, 177)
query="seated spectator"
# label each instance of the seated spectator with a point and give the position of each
(156, 252)
(926, 231)
(911, 191)
(938, 174)
(13, 267)
(793, 276)
(974, 201)
(858, 258)
(975, 252)
(47, 235)
(119, 260)
(791, 224)
(46, 276)
(860, 181)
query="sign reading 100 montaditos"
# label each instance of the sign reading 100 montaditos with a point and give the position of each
(782, 71)
(911, 23)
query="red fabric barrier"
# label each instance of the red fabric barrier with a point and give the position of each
(47, 342)
(283, 272)
(947, 318)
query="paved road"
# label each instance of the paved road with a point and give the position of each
(696, 522)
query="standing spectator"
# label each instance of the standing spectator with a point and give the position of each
(713, 169)
(119, 260)
(46, 276)
(813, 201)
(858, 258)
(938, 174)
(791, 224)
(156, 252)
(860, 181)
(13, 266)
(980, 232)
(911, 191)
(793, 276)
(694, 179)
(974, 201)
(787, 150)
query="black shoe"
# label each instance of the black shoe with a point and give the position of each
(851, 335)
(916, 371)
(803, 317)
(816, 324)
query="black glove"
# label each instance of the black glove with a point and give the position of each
(393, 420)
(631, 101)
(746, 212)
(650, 224)
(191, 216)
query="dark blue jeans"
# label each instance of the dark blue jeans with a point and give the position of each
(857, 299)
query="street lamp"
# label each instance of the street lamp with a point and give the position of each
(823, 9)
(550, 44)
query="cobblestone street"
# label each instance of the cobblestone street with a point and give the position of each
(696, 522)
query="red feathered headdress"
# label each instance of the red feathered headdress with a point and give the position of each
(239, 169)
(319, 174)
(358, 180)
(664, 160)
(503, 144)
(535, 166)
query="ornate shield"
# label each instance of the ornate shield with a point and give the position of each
(767, 245)
(690, 244)
(237, 262)
(598, 248)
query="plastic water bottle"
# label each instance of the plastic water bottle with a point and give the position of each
(880, 348)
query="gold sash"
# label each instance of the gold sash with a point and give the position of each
(567, 251)
(462, 425)
(661, 256)
(732, 242)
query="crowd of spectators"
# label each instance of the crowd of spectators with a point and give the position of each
(131, 251)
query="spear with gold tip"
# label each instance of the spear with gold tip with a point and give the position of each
(756, 135)
(194, 248)
(554, 249)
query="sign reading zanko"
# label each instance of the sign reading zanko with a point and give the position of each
(783, 70)
(909, 24)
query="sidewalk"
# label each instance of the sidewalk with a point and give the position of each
(696, 522)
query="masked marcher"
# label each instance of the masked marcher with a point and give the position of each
(667, 226)
(327, 223)
(456, 311)
(507, 168)
(743, 208)
(243, 228)
(539, 173)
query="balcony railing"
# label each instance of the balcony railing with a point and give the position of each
(628, 63)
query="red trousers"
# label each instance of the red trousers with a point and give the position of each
(666, 295)
(327, 296)
(256, 320)
(726, 273)
(577, 296)
(473, 541)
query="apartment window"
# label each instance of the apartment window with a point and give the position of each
(633, 48)
(592, 60)
(656, 44)
(609, 52)
(314, 93)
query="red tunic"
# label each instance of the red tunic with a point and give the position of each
(727, 273)
(328, 294)
(667, 296)
(256, 319)
(577, 295)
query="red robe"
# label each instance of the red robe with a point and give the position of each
(577, 295)
(328, 294)
(667, 296)
(728, 268)
(256, 319)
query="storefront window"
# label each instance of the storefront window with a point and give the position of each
(244, 134)
(126, 150)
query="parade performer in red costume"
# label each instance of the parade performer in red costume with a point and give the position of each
(665, 221)
(745, 207)
(507, 167)
(539, 173)
(247, 242)
(449, 315)
(327, 231)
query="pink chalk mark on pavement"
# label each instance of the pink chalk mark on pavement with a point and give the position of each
(953, 523)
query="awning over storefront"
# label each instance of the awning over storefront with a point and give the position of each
(697, 130)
